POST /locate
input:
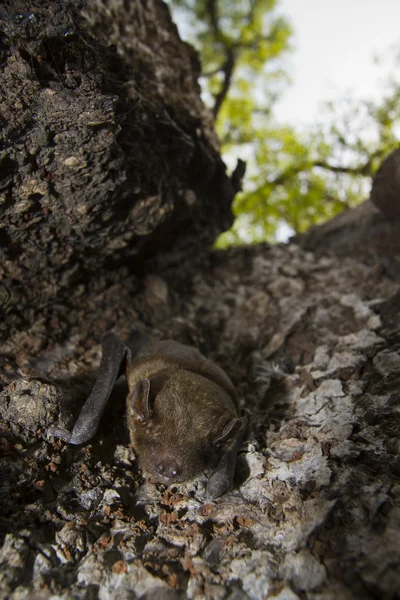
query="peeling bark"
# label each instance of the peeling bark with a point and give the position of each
(312, 346)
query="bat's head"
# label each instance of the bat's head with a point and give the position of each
(179, 424)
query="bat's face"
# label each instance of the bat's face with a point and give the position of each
(175, 431)
(168, 461)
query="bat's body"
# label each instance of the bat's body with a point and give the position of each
(182, 410)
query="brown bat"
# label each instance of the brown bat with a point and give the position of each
(182, 410)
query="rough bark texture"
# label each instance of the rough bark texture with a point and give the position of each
(310, 340)
(312, 345)
(364, 232)
(385, 192)
(108, 154)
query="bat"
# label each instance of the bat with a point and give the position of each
(182, 410)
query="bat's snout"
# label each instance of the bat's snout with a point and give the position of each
(168, 470)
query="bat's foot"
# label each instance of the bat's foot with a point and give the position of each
(60, 433)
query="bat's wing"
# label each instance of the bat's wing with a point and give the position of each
(221, 479)
(115, 353)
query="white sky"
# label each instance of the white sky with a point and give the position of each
(334, 45)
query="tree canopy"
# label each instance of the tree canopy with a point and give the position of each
(295, 178)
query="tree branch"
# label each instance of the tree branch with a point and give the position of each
(360, 170)
(364, 170)
(227, 70)
(212, 7)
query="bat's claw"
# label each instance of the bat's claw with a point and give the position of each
(60, 433)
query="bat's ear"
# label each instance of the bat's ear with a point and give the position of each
(230, 441)
(228, 433)
(139, 399)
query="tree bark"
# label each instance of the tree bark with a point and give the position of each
(108, 154)
(119, 235)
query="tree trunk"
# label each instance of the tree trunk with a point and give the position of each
(108, 154)
(113, 192)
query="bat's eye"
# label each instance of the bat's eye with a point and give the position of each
(168, 470)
